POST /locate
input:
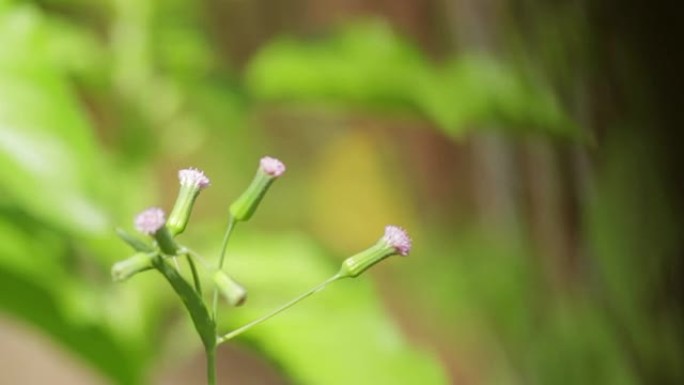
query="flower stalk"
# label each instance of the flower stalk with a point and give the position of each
(153, 223)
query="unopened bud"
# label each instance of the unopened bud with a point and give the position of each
(395, 242)
(192, 181)
(152, 222)
(269, 170)
(232, 291)
(129, 267)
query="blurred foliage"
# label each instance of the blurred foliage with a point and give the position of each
(101, 101)
(58, 209)
(367, 65)
(344, 337)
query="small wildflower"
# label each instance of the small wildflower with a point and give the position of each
(395, 241)
(192, 181)
(397, 238)
(272, 166)
(269, 170)
(193, 177)
(150, 221)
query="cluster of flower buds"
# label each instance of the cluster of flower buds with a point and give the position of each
(154, 224)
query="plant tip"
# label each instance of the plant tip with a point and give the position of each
(193, 177)
(272, 166)
(398, 238)
(150, 221)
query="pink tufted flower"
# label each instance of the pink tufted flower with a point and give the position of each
(193, 177)
(150, 221)
(395, 241)
(397, 238)
(272, 166)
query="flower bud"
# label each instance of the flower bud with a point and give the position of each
(192, 181)
(129, 267)
(395, 242)
(233, 292)
(269, 170)
(152, 222)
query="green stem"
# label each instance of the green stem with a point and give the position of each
(222, 256)
(280, 309)
(195, 276)
(226, 237)
(211, 366)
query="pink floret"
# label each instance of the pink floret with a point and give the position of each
(272, 166)
(150, 221)
(398, 238)
(193, 177)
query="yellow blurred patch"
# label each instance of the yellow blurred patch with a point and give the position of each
(356, 192)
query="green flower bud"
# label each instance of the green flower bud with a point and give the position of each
(192, 181)
(152, 222)
(395, 242)
(232, 291)
(127, 268)
(269, 170)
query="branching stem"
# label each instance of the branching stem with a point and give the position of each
(280, 309)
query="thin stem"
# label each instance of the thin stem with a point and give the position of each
(222, 256)
(195, 276)
(229, 230)
(197, 256)
(211, 366)
(280, 309)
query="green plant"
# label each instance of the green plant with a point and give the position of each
(164, 248)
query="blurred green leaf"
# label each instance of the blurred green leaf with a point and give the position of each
(339, 336)
(53, 214)
(45, 140)
(367, 65)
(37, 286)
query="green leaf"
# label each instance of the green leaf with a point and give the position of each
(201, 318)
(45, 140)
(53, 223)
(367, 65)
(37, 286)
(339, 336)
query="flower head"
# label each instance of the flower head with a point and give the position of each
(272, 166)
(397, 238)
(394, 241)
(193, 177)
(269, 170)
(150, 221)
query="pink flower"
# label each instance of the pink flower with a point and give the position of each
(272, 166)
(397, 238)
(193, 177)
(150, 221)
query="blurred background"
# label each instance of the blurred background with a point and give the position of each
(530, 147)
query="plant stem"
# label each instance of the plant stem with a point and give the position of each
(222, 257)
(226, 237)
(195, 276)
(275, 312)
(211, 366)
